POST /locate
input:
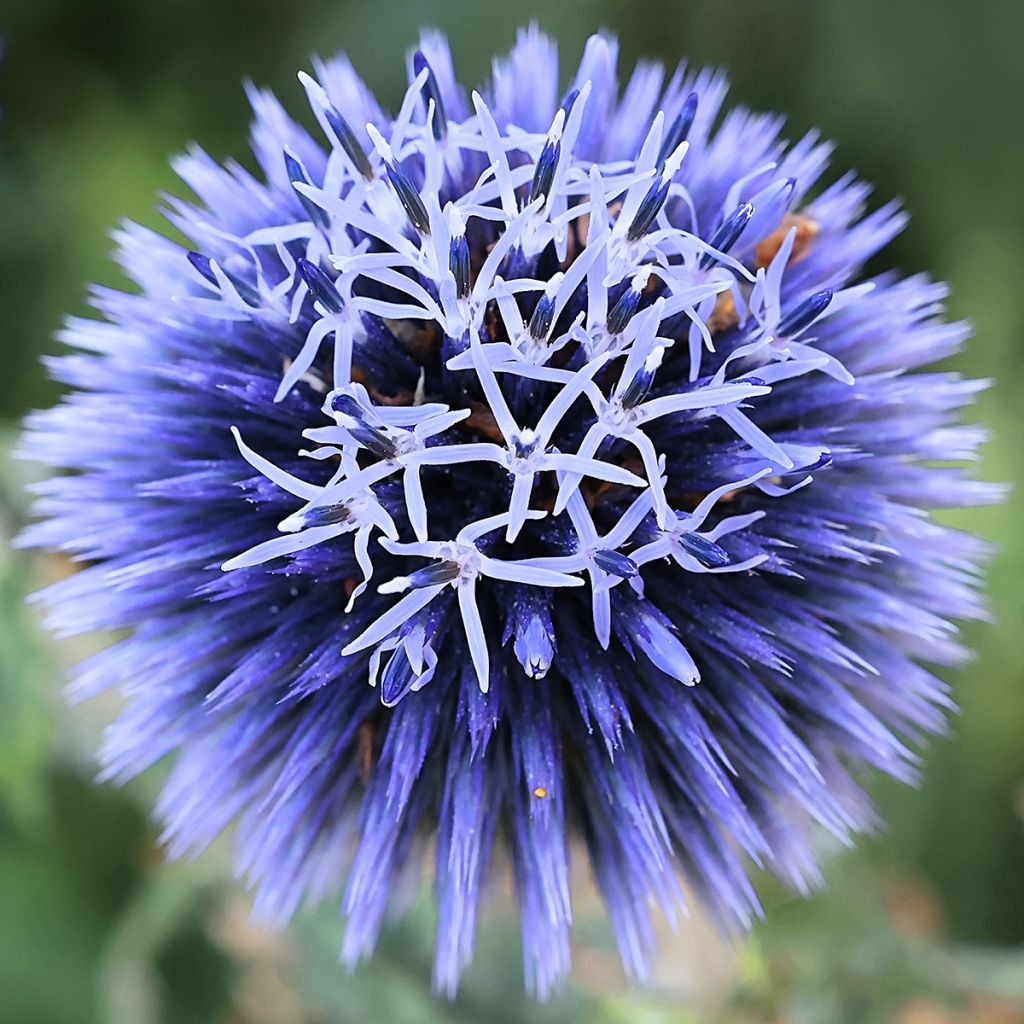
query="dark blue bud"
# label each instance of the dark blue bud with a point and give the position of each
(728, 232)
(707, 552)
(349, 142)
(636, 390)
(616, 563)
(431, 91)
(458, 264)
(823, 460)
(543, 315)
(397, 678)
(569, 101)
(649, 208)
(375, 441)
(366, 433)
(321, 287)
(434, 575)
(294, 169)
(296, 174)
(347, 405)
(680, 128)
(409, 197)
(623, 311)
(201, 263)
(544, 172)
(805, 314)
(325, 515)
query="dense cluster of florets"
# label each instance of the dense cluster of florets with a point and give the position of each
(596, 409)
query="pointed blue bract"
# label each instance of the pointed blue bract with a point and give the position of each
(296, 174)
(432, 94)
(680, 128)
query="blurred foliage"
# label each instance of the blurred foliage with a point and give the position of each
(924, 926)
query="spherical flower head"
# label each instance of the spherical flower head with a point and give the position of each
(530, 470)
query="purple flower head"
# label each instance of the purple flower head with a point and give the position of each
(517, 472)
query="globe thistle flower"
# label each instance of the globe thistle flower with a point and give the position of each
(525, 472)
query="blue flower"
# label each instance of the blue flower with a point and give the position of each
(459, 446)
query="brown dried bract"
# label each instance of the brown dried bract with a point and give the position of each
(724, 315)
(310, 377)
(576, 240)
(594, 491)
(399, 398)
(422, 343)
(364, 750)
(806, 229)
(481, 421)
(492, 320)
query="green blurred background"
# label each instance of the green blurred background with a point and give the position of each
(924, 925)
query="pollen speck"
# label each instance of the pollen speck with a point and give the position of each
(540, 792)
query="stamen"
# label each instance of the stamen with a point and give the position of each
(458, 254)
(636, 390)
(337, 124)
(625, 309)
(431, 91)
(406, 191)
(375, 441)
(544, 173)
(348, 406)
(296, 174)
(321, 287)
(679, 129)
(616, 563)
(805, 314)
(322, 515)
(544, 311)
(349, 142)
(366, 432)
(707, 552)
(727, 234)
(651, 204)
(434, 575)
